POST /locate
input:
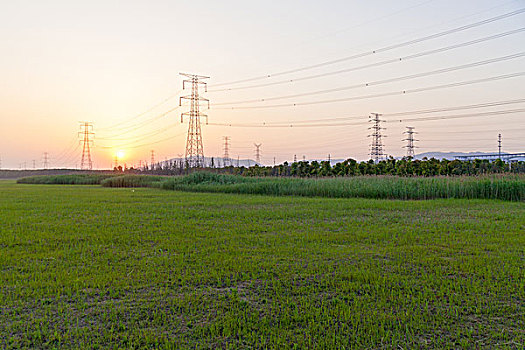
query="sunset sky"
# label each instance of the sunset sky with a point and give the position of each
(106, 62)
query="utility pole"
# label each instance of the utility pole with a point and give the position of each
(410, 142)
(46, 160)
(226, 158)
(86, 130)
(499, 146)
(34, 164)
(116, 161)
(194, 148)
(376, 148)
(295, 158)
(273, 161)
(329, 159)
(257, 153)
(237, 161)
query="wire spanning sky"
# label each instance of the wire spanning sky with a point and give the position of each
(300, 77)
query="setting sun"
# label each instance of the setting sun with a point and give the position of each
(120, 154)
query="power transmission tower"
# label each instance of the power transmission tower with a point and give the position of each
(376, 148)
(499, 146)
(0, 162)
(86, 130)
(46, 160)
(34, 164)
(152, 159)
(194, 148)
(295, 158)
(257, 153)
(226, 158)
(410, 142)
(237, 161)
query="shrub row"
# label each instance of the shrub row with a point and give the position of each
(505, 187)
(386, 187)
(77, 179)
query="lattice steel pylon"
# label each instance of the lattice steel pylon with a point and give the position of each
(86, 130)
(226, 158)
(45, 160)
(194, 149)
(499, 146)
(376, 147)
(410, 142)
(257, 153)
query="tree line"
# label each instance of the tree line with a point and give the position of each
(351, 167)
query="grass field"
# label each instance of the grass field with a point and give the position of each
(94, 267)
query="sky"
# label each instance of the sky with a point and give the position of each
(116, 64)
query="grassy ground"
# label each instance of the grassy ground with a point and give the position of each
(94, 267)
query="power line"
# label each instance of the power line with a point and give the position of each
(291, 123)
(151, 133)
(154, 142)
(485, 114)
(373, 20)
(145, 137)
(446, 109)
(403, 92)
(119, 125)
(142, 124)
(379, 50)
(416, 112)
(71, 155)
(316, 125)
(385, 81)
(378, 64)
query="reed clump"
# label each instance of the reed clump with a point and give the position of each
(75, 179)
(508, 187)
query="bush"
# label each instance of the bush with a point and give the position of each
(133, 181)
(77, 179)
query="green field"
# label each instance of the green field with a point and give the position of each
(95, 267)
